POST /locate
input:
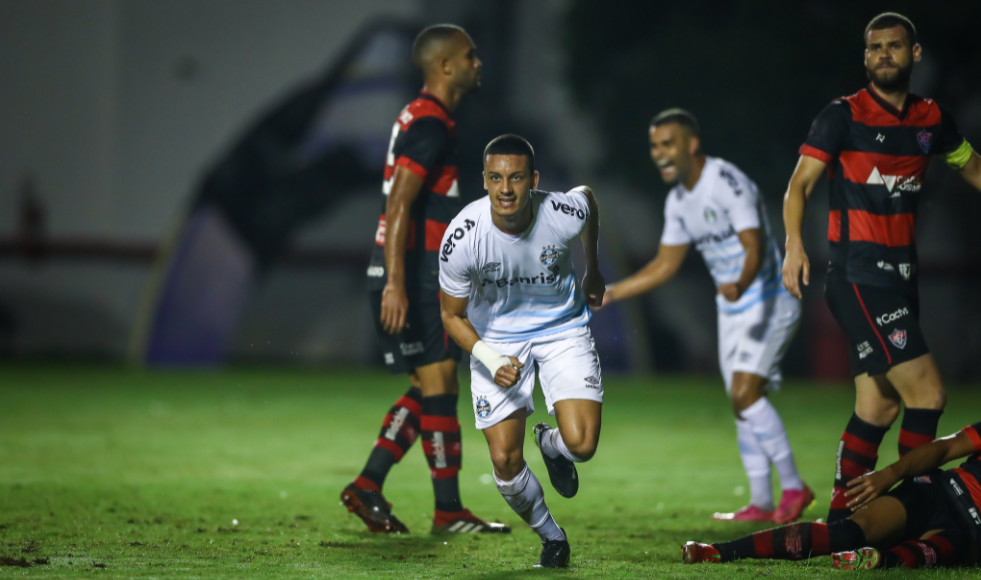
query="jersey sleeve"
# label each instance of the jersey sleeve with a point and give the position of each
(973, 433)
(952, 145)
(828, 132)
(674, 233)
(739, 197)
(420, 147)
(568, 211)
(455, 264)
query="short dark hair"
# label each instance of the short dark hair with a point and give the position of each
(511, 145)
(679, 116)
(891, 20)
(429, 37)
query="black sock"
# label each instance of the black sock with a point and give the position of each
(919, 427)
(443, 448)
(795, 541)
(399, 431)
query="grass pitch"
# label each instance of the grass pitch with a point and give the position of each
(107, 472)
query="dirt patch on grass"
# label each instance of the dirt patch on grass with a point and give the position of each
(16, 562)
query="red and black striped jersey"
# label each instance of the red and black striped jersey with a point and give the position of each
(966, 488)
(877, 158)
(424, 142)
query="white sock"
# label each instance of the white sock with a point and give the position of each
(757, 466)
(525, 496)
(769, 431)
(553, 445)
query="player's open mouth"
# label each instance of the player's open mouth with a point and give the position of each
(506, 201)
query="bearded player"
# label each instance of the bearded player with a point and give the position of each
(420, 197)
(511, 298)
(875, 147)
(716, 208)
(930, 520)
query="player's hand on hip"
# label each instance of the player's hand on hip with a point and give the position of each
(508, 375)
(394, 306)
(867, 487)
(796, 267)
(594, 287)
(730, 291)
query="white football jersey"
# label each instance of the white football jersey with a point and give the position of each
(723, 203)
(520, 287)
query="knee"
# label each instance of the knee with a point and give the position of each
(508, 463)
(742, 399)
(583, 446)
(882, 412)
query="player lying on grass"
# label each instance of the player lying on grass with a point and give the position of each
(509, 295)
(931, 519)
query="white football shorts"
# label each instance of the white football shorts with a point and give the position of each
(755, 340)
(568, 368)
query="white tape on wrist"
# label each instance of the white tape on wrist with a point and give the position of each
(491, 359)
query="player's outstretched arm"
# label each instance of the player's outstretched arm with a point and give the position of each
(919, 461)
(395, 302)
(658, 271)
(753, 246)
(505, 370)
(593, 284)
(802, 182)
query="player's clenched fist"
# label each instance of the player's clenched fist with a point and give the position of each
(795, 267)
(508, 375)
(593, 287)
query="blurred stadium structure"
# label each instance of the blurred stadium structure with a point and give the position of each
(171, 187)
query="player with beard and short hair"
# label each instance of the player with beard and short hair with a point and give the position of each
(875, 147)
(715, 207)
(510, 296)
(929, 520)
(420, 197)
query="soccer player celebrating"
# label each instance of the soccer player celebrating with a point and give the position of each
(931, 519)
(510, 297)
(420, 197)
(717, 208)
(875, 147)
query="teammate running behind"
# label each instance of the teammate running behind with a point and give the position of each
(510, 297)
(420, 197)
(929, 520)
(875, 147)
(716, 208)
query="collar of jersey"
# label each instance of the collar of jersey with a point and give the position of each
(685, 190)
(524, 235)
(431, 97)
(901, 115)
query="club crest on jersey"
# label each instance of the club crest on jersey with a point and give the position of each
(709, 215)
(549, 255)
(925, 139)
(483, 408)
(898, 338)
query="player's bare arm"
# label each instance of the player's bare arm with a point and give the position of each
(796, 265)
(658, 271)
(752, 244)
(453, 311)
(919, 461)
(593, 285)
(395, 303)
